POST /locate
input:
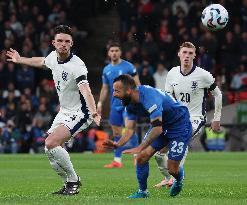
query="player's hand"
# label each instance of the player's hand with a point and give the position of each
(13, 56)
(135, 150)
(109, 144)
(215, 126)
(96, 118)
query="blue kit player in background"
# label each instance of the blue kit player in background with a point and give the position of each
(170, 127)
(115, 68)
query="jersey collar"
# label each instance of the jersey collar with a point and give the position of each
(66, 60)
(193, 68)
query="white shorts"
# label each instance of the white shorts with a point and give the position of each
(74, 121)
(197, 125)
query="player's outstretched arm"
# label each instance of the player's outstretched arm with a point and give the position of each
(14, 56)
(87, 94)
(128, 132)
(152, 135)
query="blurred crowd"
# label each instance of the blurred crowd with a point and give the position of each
(28, 99)
(150, 31)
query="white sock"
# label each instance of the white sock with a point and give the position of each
(61, 157)
(161, 159)
(118, 159)
(184, 157)
(56, 167)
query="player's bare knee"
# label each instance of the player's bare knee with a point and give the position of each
(50, 143)
(173, 172)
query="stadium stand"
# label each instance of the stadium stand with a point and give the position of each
(150, 32)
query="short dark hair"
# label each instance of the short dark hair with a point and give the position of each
(127, 81)
(113, 44)
(63, 29)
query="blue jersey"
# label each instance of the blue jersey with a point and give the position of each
(111, 72)
(156, 103)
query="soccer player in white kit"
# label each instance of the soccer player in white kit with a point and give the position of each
(77, 105)
(190, 84)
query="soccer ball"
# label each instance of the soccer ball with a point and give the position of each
(214, 17)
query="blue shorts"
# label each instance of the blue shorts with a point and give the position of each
(116, 116)
(176, 144)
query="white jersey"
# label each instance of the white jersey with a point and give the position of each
(191, 89)
(68, 75)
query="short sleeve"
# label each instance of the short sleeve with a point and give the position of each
(152, 103)
(80, 73)
(132, 70)
(168, 85)
(49, 60)
(208, 80)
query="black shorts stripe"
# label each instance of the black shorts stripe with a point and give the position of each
(81, 78)
(202, 123)
(84, 109)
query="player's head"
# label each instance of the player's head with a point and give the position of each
(62, 39)
(187, 53)
(114, 51)
(122, 88)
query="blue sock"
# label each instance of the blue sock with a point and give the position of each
(118, 151)
(180, 174)
(142, 172)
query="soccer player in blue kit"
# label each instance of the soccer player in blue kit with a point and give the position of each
(170, 127)
(115, 68)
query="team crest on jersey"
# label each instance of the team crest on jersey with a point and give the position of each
(194, 85)
(64, 76)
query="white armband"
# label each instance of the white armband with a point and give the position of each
(217, 103)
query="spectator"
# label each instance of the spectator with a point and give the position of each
(146, 78)
(25, 78)
(37, 135)
(204, 60)
(160, 76)
(11, 88)
(237, 82)
(150, 46)
(10, 138)
(10, 74)
(44, 116)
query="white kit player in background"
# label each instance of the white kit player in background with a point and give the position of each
(190, 84)
(77, 105)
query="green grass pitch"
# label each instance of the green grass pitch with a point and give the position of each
(211, 178)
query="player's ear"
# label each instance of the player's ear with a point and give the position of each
(178, 53)
(194, 55)
(53, 42)
(72, 43)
